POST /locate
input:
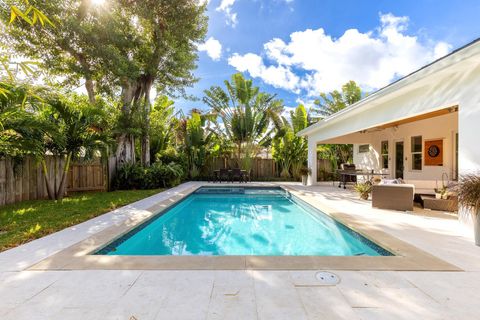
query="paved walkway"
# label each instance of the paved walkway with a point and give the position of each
(249, 294)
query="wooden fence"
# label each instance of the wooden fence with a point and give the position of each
(20, 181)
(265, 168)
(25, 180)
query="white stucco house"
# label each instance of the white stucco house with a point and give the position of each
(419, 128)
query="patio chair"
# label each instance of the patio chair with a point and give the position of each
(246, 176)
(237, 174)
(223, 174)
(215, 176)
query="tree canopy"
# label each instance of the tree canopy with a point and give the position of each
(124, 48)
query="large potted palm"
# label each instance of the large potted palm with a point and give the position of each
(469, 199)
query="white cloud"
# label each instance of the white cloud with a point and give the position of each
(212, 47)
(277, 76)
(323, 63)
(308, 103)
(226, 7)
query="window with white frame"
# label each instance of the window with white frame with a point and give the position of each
(417, 156)
(363, 148)
(384, 154)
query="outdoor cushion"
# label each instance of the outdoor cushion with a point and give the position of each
(388, 181)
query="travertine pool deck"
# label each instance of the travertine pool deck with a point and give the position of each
(26, 292)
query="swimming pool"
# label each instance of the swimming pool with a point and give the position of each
(224, 221)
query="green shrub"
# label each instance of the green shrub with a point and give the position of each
(163, 175)
(170, 155)
(129, 177)
(158, 175)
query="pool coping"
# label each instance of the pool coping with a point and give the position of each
(407, 257)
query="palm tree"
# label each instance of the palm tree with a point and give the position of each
(331, 103)
(288, 149)
(247, 116)
(21, 132)
(78, 134)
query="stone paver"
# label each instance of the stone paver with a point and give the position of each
(222, 294)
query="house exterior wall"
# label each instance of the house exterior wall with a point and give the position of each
(439, 128)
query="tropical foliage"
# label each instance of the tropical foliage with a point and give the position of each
(329, 104)
(123, 55)
(195, 137)
(335, 101)
(21, 131)
(135, 176)
(288, 149)
(77, 132)
(124, 50)
(249, 117)
(36, 123)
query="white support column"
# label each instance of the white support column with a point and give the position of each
(468, 151)
(312, 161)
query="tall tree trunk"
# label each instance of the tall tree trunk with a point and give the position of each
(146, 150)
(61, 188)
(125, 149)
(90, 87)
(146, 89)
(135, 95)
(125, 152)
(239, 153)
(50, 192)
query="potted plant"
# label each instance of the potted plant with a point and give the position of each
(363, 190)
(441, 193)
(469, 198)
(305, 172)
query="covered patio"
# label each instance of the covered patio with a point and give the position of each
(421, 128)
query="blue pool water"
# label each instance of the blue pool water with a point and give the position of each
(242, 221)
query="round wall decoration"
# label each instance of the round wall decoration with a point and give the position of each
(433, 151)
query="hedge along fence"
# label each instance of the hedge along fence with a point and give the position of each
(21, 181)
(265, 168)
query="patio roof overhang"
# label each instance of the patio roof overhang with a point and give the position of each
(363, 136)
(431, 91)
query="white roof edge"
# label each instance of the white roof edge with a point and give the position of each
(449, 60)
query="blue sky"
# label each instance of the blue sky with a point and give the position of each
(298, 48)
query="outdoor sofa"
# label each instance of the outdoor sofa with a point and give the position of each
(393, 196)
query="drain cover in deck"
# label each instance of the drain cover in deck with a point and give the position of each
(327, 278)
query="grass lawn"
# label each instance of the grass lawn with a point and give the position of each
(25, 221)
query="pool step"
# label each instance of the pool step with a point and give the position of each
(220, 191)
